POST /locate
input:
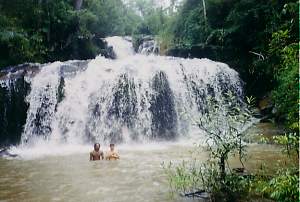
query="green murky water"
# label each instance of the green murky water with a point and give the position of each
(138, 176)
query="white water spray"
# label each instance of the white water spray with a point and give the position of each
(135, 98)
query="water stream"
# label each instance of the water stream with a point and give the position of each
(138, 176)
(135, 98)
(145, 104)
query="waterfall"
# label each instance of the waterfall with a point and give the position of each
(124, 45)
(134, 98)
(149, 47)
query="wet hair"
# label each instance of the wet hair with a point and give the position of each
(96, 144)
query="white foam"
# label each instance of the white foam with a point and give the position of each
(122, 47)
(44, 149)
(89, 96)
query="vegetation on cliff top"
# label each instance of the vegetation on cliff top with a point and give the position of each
(43, 31)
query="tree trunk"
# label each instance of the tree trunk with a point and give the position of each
(77, 4)
(204, 14)
(222, 167)
(75, 47)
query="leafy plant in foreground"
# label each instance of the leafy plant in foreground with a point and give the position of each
(222, 124)
(283, 186)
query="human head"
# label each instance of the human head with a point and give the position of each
(96, 146)
(112, 146)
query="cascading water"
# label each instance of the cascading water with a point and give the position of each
(134, 98)
(149, 47)
(43, 100)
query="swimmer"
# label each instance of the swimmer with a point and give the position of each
(96, 154)
(112, 154)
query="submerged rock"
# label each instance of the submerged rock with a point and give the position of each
(200, 196)
(5, 153)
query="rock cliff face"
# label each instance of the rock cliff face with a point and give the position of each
(14, 87)
(146, 45)
(135, 97)
(265, 107)
(199, 51)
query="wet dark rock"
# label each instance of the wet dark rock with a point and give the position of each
(200, 196)
(124, 102)
(109, 53)
(266, 119)
(256, 113)
(40, 128)
(149, 47)
(15, 86)
(60, 91)
(197, 51)
(122, 110)
(15, 72)
(239, 170)
(106, 51)
(70, 68)
(200, 96)
(139, 40)
(164, 116)
(267, 109)
(5, 153)
(13, 109)
(87, 48)
(265, 105)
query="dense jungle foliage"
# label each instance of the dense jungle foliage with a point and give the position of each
(43, 30)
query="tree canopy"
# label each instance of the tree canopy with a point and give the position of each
(43, 30)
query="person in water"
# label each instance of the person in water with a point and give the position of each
(112, 154)
(96, 154)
